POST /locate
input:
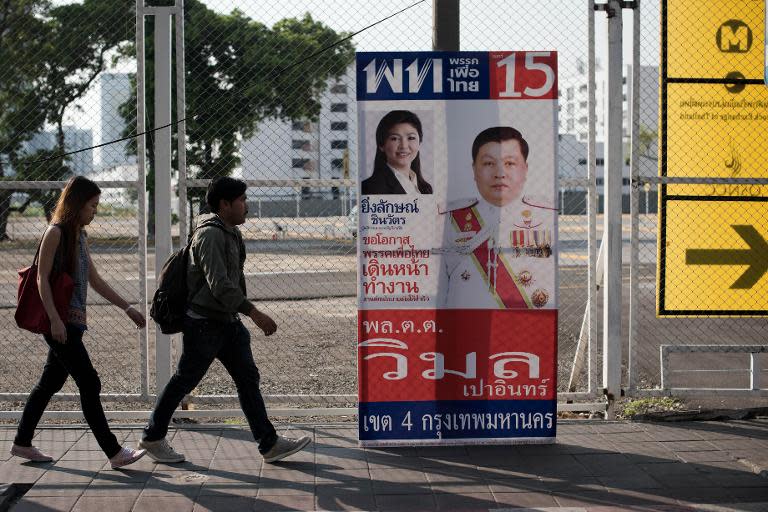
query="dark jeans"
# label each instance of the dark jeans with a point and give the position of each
(64, 359)
(204, 341)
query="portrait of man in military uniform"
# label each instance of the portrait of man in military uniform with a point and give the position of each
(497, 250)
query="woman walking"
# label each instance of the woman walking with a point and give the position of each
(64, 248)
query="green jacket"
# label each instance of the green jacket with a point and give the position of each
(215, 279)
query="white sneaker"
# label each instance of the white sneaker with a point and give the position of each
(161, 451)
(285, 447)
(126, 456)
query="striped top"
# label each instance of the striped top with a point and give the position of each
(77, 314)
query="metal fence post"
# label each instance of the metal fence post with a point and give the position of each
(612, 213)
(141, 161)
(755, 370)
(163, 242)
(592, 205)
(181, 113)
(181, 143)
(586, 348)
(634, 267)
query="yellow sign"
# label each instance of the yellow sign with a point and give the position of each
(716, 134)
(716, 258)
(712, 38)
(713, 254)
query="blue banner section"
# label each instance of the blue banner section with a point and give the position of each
(457, 419)
(423, 76)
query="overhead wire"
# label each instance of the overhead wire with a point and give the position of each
(275, 73)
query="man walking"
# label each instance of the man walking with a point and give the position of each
(212, 327)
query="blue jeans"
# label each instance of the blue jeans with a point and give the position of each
(65, 359)
(205, 340)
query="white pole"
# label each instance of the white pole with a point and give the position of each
(163, 244)
(181, 144)
(587, 342)
(181, 113)
(634, 268)
(755, 369)
(141, 162)
(612, 213)
(592, 206)
(584, 334)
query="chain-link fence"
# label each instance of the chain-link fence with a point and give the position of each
(57, 98)
(270, 99)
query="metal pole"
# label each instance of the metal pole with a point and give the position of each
(319, 128)
(587, 343)
(181, 139)
(163, 243)
(585, 334)
(612, 214)
(141, 169)
(445, 26)
(592, 203)
(181, 113)
(755, 368)
(634, 90)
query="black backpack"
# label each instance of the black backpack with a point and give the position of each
(169, 303)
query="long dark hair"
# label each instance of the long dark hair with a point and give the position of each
(76, 193)
(382, 131)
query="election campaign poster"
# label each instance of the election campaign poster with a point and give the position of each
(457, 254)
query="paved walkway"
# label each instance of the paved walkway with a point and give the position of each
(716, 466)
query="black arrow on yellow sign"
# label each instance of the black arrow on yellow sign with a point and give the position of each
(756, 257)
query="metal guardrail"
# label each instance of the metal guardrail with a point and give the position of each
(755, 370)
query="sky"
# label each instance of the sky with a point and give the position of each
(559, 25)
(485, 24)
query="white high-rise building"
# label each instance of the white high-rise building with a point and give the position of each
(306, 149)
(114, 91)
(74, 138)
(574, 131)
(574, 102)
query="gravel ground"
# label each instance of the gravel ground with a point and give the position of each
(316, 359)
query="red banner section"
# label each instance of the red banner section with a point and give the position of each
(465, 354)
(523, 75)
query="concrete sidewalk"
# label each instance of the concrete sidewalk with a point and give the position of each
(604, 466)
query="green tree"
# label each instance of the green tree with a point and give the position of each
(64, 49)
(237, 74)
(22, 36)
(647, 142)
(85, 35)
